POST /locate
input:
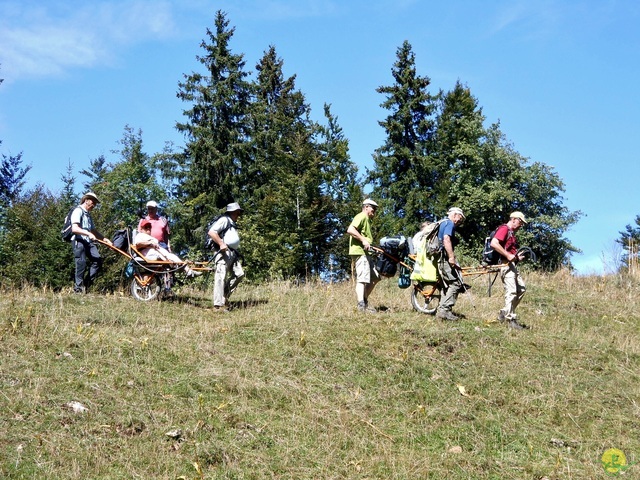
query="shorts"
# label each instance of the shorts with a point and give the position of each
(366, 270)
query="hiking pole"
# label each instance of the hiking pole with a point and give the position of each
(464, 285)
(491, 282)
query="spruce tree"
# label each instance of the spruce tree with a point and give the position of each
(404, 173)
(214, 128)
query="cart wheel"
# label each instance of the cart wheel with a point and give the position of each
(145, 292)
(425, 298)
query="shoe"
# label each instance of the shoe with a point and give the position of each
(447, 315)
(502, 317)
(221, 309)
(362, 307)
(517, 326)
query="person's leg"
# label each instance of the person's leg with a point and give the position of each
(508, 275)
(80, 259)
(363, 279)
(374, 278)
(451, 287)
(219, 281)
(237, 274)
(520, 290)
(96, 264)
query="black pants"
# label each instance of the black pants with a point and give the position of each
(86, 254)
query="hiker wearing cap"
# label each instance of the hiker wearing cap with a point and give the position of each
(85, 251)
(226, 242)
(448, 266)
(504, 242)
(159, 225)
(359, 245)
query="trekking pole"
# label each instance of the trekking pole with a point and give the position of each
(464, 285)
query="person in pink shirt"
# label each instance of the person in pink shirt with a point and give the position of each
(150, 248)
(159, 225)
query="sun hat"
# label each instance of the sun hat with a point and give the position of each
(519, 215)
(234, 207)
(151, 203)
(456, 210)
(368, 201)
(90, 195)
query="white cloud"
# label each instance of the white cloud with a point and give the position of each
(41, 41)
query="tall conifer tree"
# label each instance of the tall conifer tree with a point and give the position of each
(214, 129)
(404, 174)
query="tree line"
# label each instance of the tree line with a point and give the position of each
(249, 138)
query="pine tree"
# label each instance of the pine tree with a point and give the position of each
(282, 180)
(214, 129)
(404, 175)
(343, 193)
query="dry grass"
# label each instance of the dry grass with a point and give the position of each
(294, 383)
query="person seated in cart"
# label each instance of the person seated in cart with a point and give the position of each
(149, 247)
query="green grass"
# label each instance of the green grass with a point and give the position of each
(294, 383)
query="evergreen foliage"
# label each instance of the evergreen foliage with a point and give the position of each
(404, 175)
(630, 239)
(215, 131)
(253, 141)
(463, 164)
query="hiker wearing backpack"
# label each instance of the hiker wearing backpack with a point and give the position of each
(448, 265)
(226, 242)
(359, 247)
(159, 225)
(85, 251)
(504, 242)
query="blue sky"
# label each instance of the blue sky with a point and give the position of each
(559, 76)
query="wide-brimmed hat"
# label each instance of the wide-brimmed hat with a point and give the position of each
(519, 215)
(151, 203)
(234, 207)
(368, 201)
(456, 210)
(90, 195)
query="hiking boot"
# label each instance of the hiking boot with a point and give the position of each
(517, 326)
(447, 315)
(502, 317)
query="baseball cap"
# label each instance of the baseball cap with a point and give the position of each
(145, 223)
(519, 215)
(368, 201)
(151, 203)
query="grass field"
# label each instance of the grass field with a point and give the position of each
(293, 383)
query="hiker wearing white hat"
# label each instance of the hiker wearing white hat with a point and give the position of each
(226, 242)
(85, 251)
(359, 246)
(159, 225)
(505, 243)
(448, 266)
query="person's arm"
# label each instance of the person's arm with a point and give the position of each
(448, 247)
(100, 236)
(495, 244)
(216, 238)
(353, 231)
(78, 230)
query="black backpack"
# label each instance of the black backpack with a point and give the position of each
(489, 255)
(66, 233)
(209, 244)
